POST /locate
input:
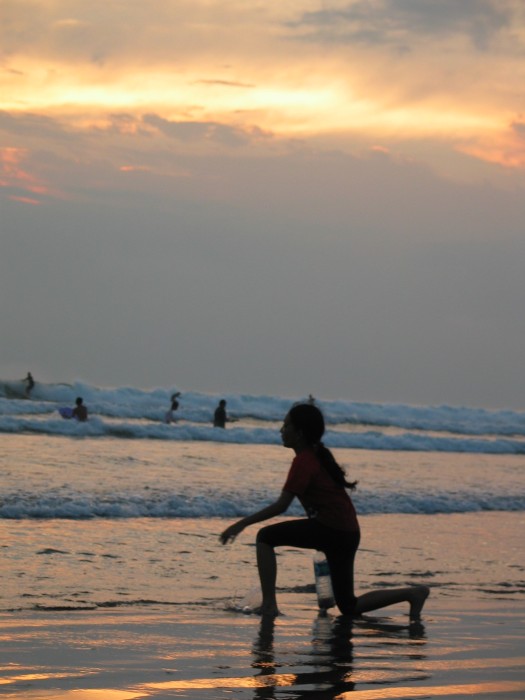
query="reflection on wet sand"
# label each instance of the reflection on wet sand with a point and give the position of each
(207, 653)
(329, 666)
(325, 666)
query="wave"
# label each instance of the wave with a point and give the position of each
(128, 412)
(19, 506)
(367, 440)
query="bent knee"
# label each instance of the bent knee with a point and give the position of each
(263, 536)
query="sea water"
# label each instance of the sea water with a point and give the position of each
(126, 510)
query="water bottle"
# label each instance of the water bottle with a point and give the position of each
(323, 582)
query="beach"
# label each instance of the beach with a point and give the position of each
(115, 584)
(153, 621)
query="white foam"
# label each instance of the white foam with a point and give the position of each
(127, 412)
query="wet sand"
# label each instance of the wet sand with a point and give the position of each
(137, 609)
(207, 653)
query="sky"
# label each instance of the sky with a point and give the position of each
(282, 198)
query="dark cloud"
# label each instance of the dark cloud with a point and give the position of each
(25, 124)
(225, 83)
(396, 21)
(202, 131)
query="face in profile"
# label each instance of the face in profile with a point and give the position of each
(289, 434)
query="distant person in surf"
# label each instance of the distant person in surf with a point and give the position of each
(220, 417)
(80, 412)
(331, 527)
(170, 415)
(30, 382)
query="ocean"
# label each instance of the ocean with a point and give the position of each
(126, 510)
(115, 584)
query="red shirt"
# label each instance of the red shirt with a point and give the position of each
(320, 496)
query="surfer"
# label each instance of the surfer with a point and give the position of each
(170, 415)
(80, 411)
(331, 527)
(30, 382)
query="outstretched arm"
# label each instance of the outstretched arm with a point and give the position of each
(276, 508)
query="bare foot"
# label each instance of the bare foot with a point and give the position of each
(417, 599)
(266, 611)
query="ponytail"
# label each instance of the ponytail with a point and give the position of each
(329, 463)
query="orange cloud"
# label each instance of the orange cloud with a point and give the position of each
(25, 200)
(18, 181)
(134, 169)
(218, 76)
(507, 149)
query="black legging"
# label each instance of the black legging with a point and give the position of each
(339, 547)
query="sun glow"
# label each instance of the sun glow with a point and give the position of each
(286, 104)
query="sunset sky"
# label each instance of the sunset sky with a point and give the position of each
(284, 197)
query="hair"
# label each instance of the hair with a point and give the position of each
(309, 420)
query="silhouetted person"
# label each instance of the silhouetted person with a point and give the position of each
(80, 411)
(320, 484)
(30, 383)
(220, 417)
(170, 415)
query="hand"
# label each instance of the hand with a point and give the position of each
(231, 533)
